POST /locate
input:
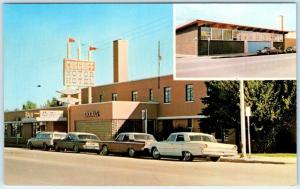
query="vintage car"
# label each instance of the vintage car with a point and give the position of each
(290, 49)
(78, 141)
(128, 143)
(187, 145)
(269, 50)
(45, 140)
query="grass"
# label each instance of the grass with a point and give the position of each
(281, 155)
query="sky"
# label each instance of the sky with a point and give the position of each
(35, 38)
(264, 15)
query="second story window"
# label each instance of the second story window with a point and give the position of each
(114, 96)
(167, 95)
(189, 93)
(134, 95)
(151, 95)
(101, 98)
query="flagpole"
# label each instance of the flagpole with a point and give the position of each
(159, 58)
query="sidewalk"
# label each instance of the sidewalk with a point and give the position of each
(259, 159)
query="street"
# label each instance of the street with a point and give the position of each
(282, 66)
(35, 167)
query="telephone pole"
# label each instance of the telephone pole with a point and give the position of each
(243, 127)
(159, 60)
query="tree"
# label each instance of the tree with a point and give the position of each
(52, 103)
(29, 105)
(273, 106)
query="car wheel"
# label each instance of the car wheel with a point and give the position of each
(104, 150)
(56, 148)
(187, 156)
(45, 147)
(30, 146)
(76, 149)
(215, 159)
(131, 152)
(155, 153)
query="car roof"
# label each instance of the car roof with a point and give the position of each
(81, 133)
(192, 133)
(52, 132)
(135, 133)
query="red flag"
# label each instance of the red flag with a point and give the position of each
(71, 40)
(92, 48)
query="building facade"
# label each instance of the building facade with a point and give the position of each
(171, 106)
(202, 37)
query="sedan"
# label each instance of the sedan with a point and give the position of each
(269, 50)
(78, 141)
(187, 145)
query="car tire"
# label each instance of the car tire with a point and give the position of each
(104, 150)
(131, 152)
(45, 147)
(76, 149)
(187, 156)
(30, 146)
(215, 159)
(56, 148)
(155, 153)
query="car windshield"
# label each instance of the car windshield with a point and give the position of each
(143, 137)
(88, 137)
(59, 136)
(202, 138)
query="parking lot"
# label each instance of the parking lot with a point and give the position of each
(36, 167)
(281, 66)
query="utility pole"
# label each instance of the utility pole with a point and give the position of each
(159, 60)
(243, 127)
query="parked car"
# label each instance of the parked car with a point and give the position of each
(291, 49)
(269, 50)
(45, 140)
(128, 143)
(187, 145)
(78, 141)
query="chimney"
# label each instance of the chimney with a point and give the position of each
(281, 22)
(120, 55)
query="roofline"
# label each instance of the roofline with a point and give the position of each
(199, 22)
(168, 75)
(37, 109)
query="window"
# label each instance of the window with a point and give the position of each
(101, 98)
(179, 138)
(205, 33)
(151, 95)
(171, 138)
(16, 129)
(6, 130)
(189, 92)
(227, 34)
(167, 95)
(134, 95)
(216, 34)
(126, 138)
(120, 137)
(114, 97)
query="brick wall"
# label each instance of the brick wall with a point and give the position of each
(187, 41)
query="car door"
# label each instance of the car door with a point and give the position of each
(166, 147)
(179, 145)
(114, 146)
(35, 140)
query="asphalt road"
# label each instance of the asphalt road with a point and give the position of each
(34, 167)
(282, 66)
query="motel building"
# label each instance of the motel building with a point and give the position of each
(107, 110)
(201, 37)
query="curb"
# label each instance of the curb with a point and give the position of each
(251, 161)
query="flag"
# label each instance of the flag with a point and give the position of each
(92, 48)
(71, 40)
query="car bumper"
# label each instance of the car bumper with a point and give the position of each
(223, 153)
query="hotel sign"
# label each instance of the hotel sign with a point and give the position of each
(92, 113)
(79, 73)
(50, 115)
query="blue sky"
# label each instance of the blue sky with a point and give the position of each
(255, 14)
(35, 44)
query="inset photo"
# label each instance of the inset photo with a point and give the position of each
(235, 41)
